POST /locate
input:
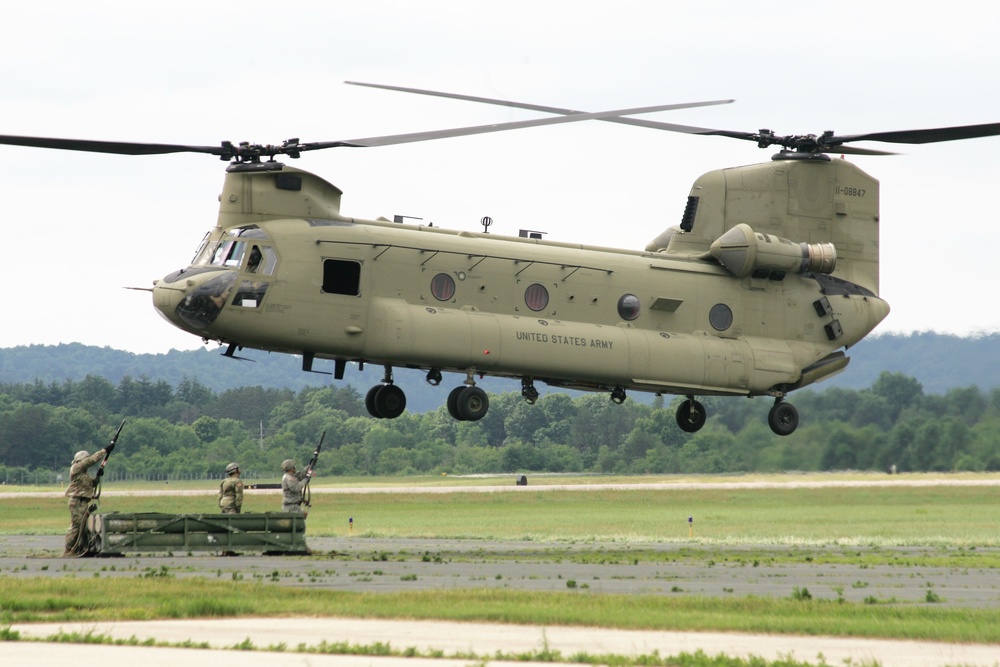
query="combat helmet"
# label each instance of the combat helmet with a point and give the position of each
(287, 464)
(80, 455)
(232, 467)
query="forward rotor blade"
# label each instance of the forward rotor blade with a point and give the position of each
(228, 150)
(117, 147)
(927, 136)
(657, 125)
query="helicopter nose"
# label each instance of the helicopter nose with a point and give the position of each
(165, 300)
(193, 302)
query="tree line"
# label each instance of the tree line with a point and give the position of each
(190, 431)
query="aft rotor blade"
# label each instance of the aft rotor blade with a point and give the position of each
(499, 127)
(657, 125)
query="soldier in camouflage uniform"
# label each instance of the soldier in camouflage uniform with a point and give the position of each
(293, 486)
(231, 490)
(80, 492)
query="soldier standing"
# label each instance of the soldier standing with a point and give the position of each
(231, 490)
(293, 486)
(80, 492)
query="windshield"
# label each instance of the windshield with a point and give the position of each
(227, 250)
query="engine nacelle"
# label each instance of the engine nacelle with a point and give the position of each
(743, 251)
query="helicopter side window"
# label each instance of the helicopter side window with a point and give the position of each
(261, 259)
(341, 277)
(253, 262)
(250, 294)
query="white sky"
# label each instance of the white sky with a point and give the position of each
(77, 227)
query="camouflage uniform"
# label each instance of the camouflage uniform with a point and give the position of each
(231, 491)
(293, 486)
(80, 492)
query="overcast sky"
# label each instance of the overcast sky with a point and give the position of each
(78, 228)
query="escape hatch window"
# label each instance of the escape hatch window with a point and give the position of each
(341, 277)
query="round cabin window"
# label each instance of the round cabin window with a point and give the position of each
(628, 307)
(536, 297)
(443, 287)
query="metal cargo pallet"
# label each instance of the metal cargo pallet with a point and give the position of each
(268, 532)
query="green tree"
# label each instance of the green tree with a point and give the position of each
(898, 390)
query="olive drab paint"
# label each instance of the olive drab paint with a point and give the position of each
(775, 274)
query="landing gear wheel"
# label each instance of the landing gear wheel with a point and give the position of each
(370, 402)
(390, 401)
(691, 415)
(453, 403)
(528, 391)
(472, 403)
(783, 418)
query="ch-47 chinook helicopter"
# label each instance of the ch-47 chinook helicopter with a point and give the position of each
(771, 274)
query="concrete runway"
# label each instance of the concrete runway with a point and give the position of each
(365, 564)
(452, 638)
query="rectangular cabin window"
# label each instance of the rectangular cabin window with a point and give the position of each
(341, 277)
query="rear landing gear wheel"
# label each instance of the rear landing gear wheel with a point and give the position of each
(453, 403)
(691, 415)
(370, 402)
(783, 418)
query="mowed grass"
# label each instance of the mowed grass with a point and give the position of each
(144, 598)
(723, 513)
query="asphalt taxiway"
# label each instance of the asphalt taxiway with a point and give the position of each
(366, 564)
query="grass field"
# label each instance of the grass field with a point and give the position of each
(942, 511)
(955, 520)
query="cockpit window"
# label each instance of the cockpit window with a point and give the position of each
(228, 251)
(200, 255)
(262, 259)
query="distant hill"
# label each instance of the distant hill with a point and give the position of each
(939, 361)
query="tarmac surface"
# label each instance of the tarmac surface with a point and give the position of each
(366, 564)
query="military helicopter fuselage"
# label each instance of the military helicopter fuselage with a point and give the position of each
(772, 273)
(724, 304)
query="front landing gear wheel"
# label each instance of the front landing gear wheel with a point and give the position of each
(783, 418)
(472, 403)
(390, 401)
(691, 415)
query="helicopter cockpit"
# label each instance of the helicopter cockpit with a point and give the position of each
(240, 262)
